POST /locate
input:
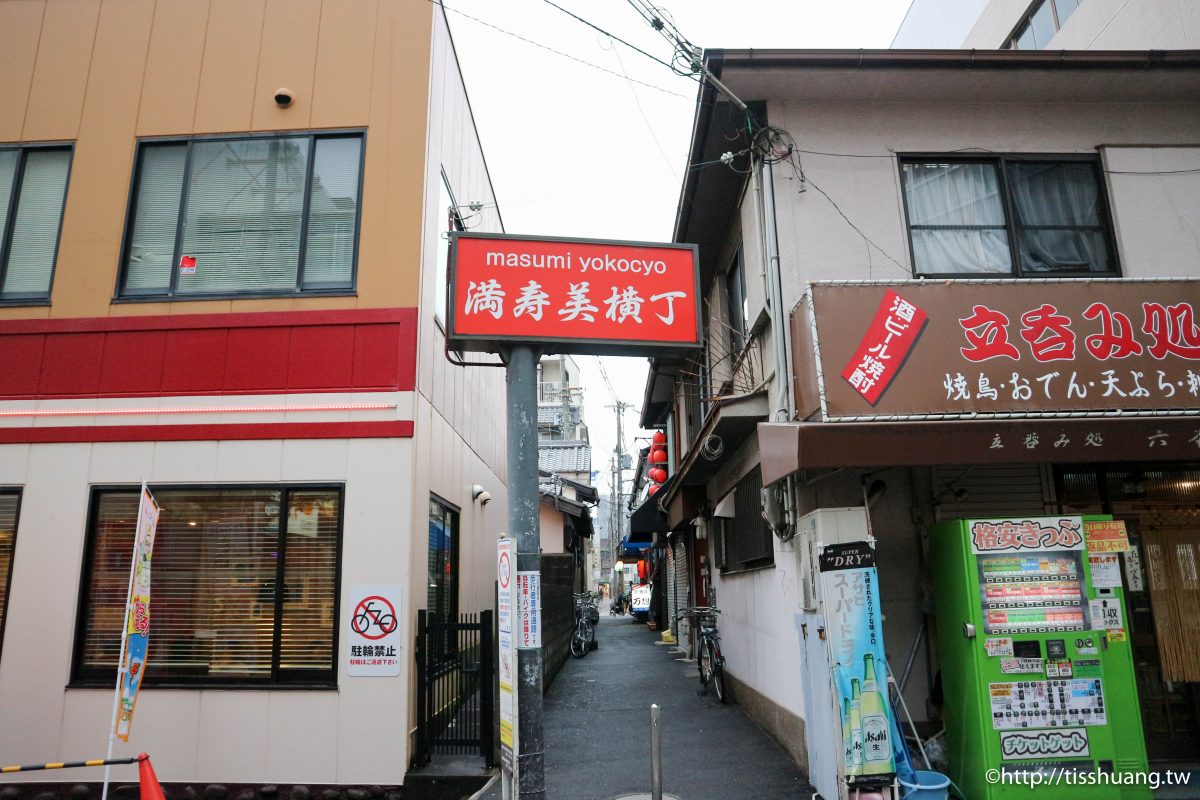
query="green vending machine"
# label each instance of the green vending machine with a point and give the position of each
(1037, 676)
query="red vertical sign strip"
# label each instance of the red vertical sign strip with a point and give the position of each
(886, 345)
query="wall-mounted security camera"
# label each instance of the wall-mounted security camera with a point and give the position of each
(284, 98)
(481, 494)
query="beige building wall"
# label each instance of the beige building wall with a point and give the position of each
(459, 411)
(816, 243)
(103, 73)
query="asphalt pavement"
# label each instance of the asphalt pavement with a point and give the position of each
(597, 718)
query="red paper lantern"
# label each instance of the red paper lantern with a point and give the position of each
(653, 488)
(659, 438)
(658, 474)
(658, 456)
(642, 569)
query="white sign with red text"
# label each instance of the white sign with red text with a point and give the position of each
(372, 647)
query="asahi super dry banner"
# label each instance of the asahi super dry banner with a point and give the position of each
(997, 348)
(850, 586)
(137, 613)
(572, 295)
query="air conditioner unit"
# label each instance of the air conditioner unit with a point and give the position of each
(820, 528)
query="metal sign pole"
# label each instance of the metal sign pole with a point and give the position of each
(523, 524)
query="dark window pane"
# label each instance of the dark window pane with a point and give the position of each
(746, 538)
(156, 218)
(1059, 225)
(1042, 25)
(956, 218)
(442, 596)
(735, 290)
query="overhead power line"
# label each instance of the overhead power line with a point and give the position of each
(547, 48)
(612, 36)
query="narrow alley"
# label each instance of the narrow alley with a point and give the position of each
(597, 716)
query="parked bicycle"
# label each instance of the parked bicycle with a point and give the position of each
(708, 647)
(587, 616)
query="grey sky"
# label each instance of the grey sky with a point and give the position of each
(577, 151)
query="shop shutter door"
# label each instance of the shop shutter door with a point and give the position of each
(991, 490)
(669, 564)
(682, 586)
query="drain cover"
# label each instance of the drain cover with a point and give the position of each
(645, 796)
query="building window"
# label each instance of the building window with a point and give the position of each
(1024, 217)
(1039, 25)
(33, 190)
(739, 308)
(10, 502)
(263, 215)
(442, 597)
(244, 591)
(448, 220)
(745, 538)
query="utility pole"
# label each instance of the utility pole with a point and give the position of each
(619, 477)
(564, 392)
(523, 498)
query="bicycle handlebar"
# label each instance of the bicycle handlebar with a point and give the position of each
(696, 611)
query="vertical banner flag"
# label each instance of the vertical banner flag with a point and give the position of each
(851, 588)
(137, 613)
(506, 584)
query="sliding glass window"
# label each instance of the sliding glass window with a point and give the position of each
(263, 215)
(1018, 216)
(33, 190)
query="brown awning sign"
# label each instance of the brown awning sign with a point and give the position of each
(786, 447)
(991, 348)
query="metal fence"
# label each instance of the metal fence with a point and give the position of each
(454, 687)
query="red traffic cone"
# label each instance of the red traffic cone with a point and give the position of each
(147, 780)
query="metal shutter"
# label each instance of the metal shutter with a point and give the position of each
(682, 586)
(992, 490)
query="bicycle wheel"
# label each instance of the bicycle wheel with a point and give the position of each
(579, 644)
(704, 662)
(717, 670)
(591, 638)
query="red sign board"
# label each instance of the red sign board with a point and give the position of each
(893, 331)
(572, 295)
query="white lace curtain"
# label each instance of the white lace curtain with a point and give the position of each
(959, 224)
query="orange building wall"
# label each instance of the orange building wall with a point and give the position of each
(102, 73)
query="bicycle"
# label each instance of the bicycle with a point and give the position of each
(369, 618)
(709, 660)
(587, 616)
